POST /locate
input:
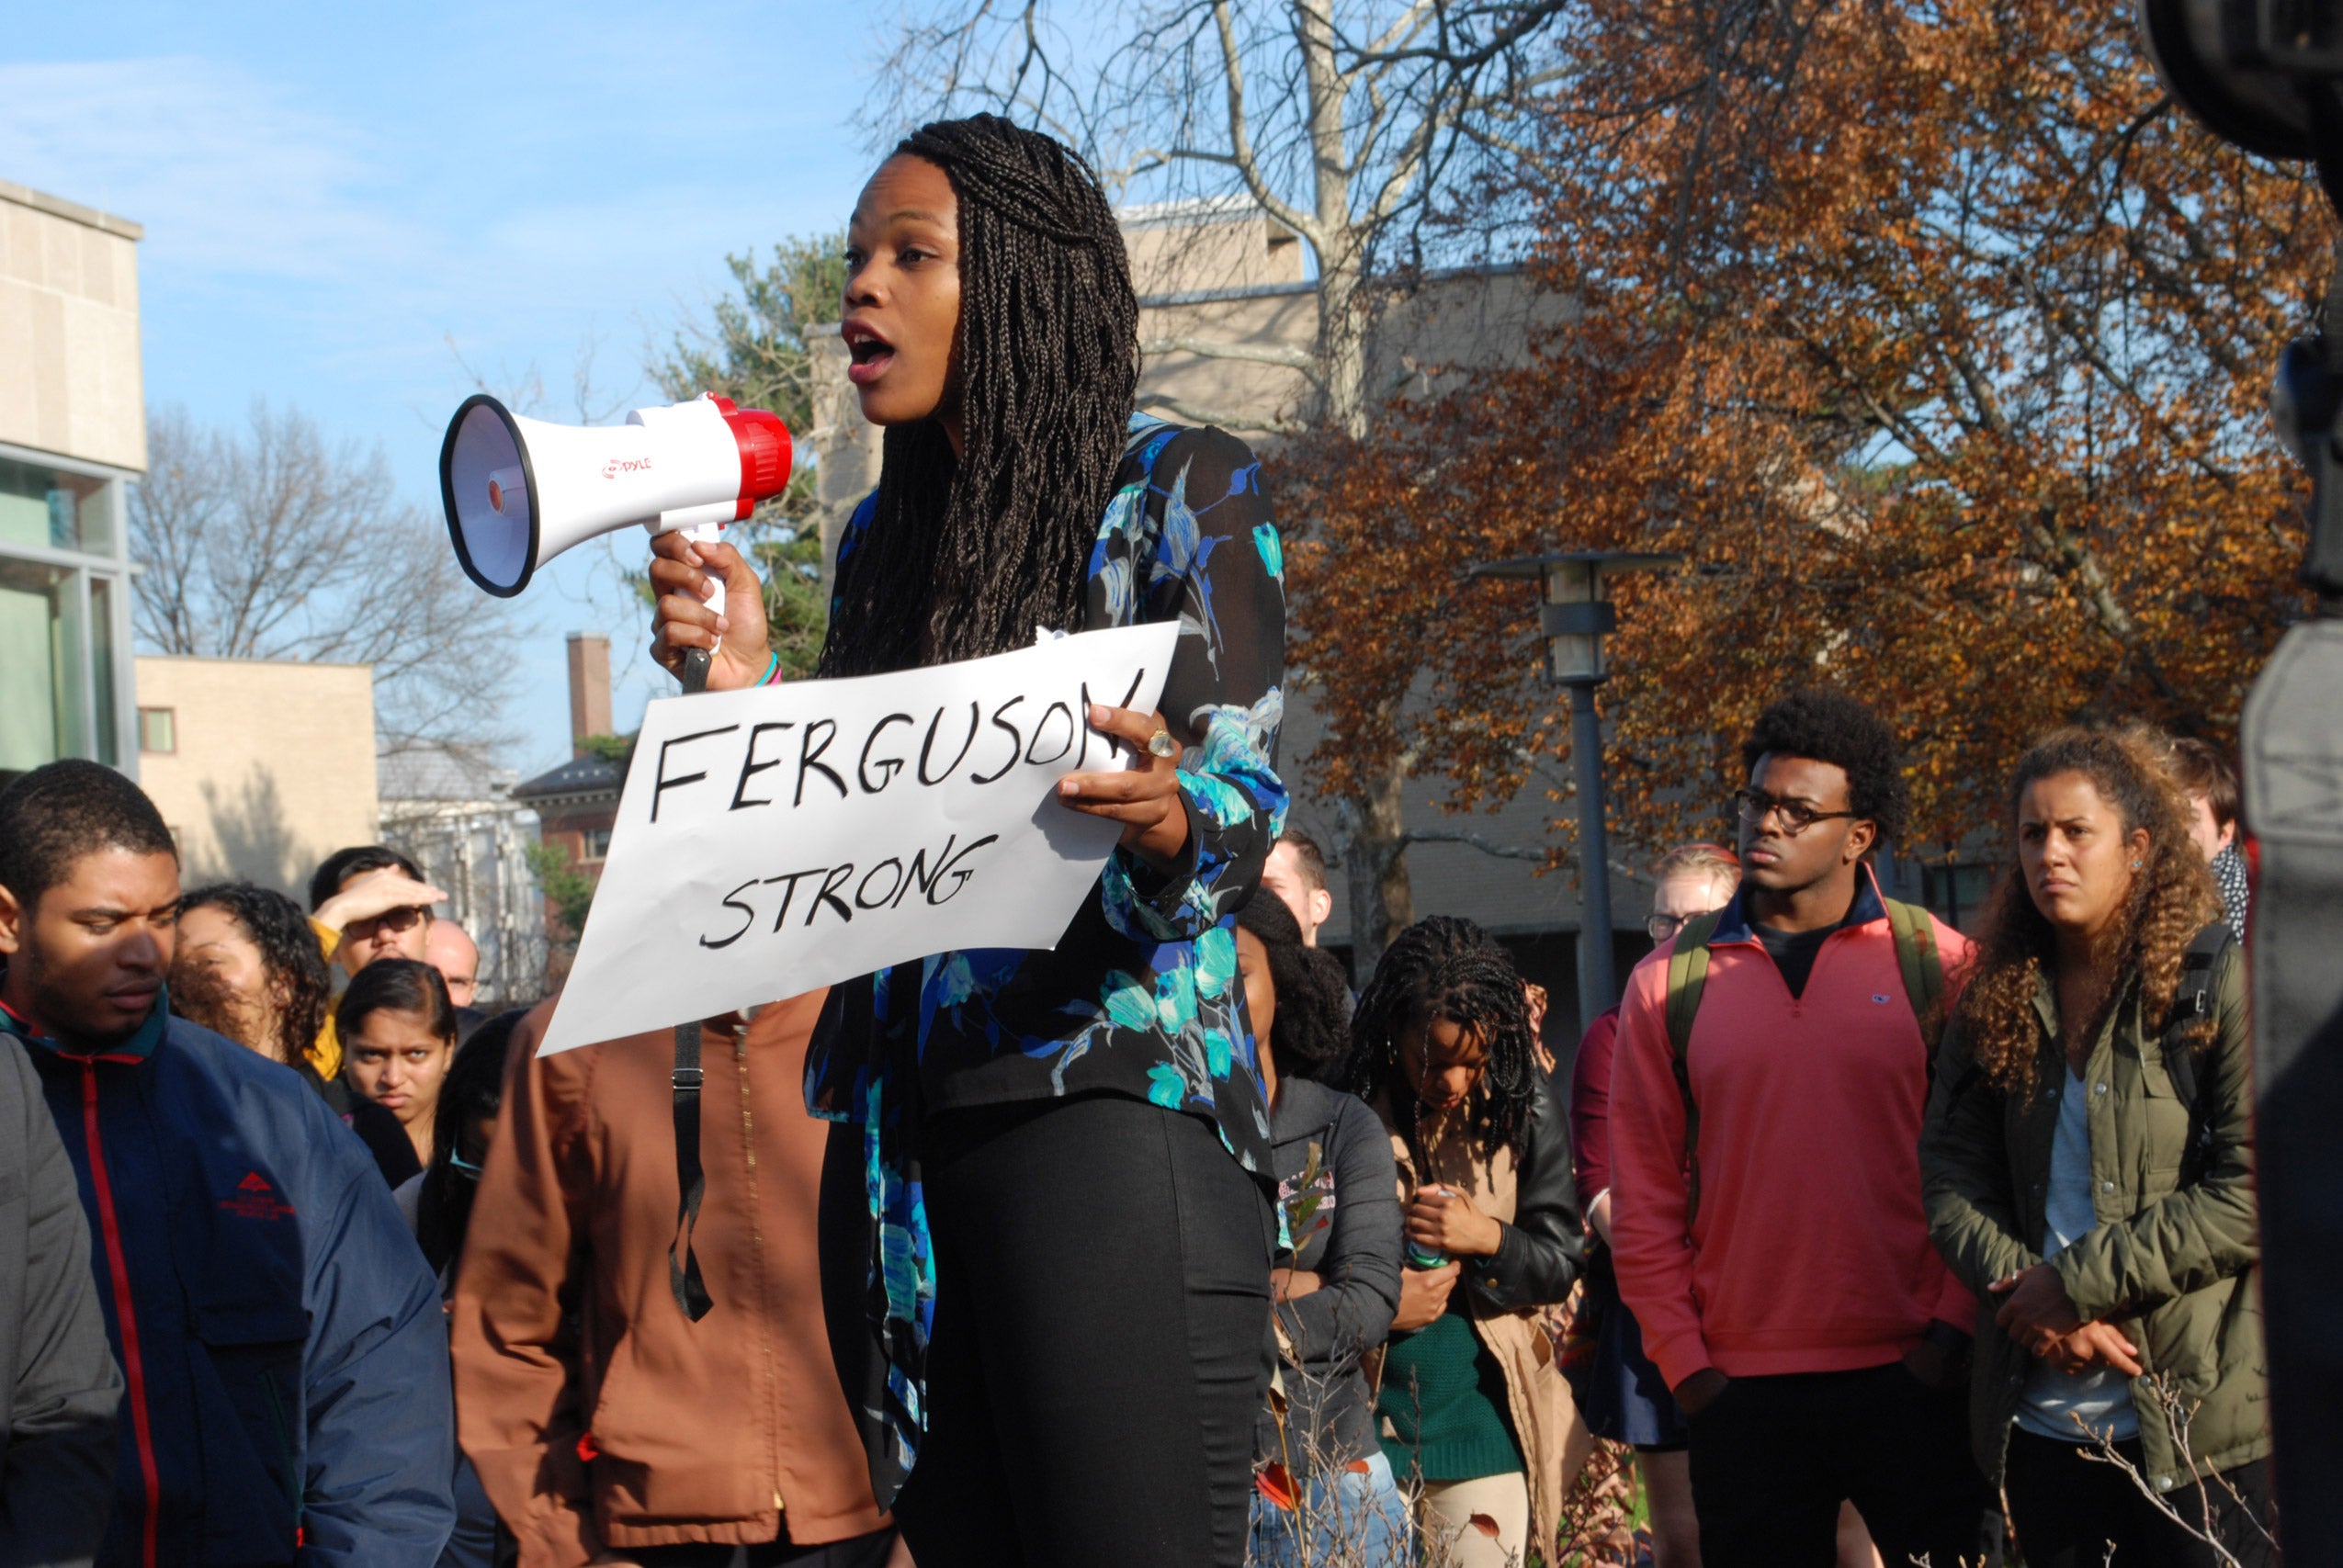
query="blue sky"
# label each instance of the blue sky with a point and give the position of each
(333, 195)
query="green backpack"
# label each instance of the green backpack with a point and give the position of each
(1916, 954)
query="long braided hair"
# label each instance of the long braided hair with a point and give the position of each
(1445, 966)
(2172, 898)
(964, 558)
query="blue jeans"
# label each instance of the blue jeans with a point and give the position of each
(1360, 1516)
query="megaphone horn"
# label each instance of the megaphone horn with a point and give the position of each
(519, 491)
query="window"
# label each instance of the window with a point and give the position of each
(42, 649)
(1955, 891)
(597, 843)
(158, 731)
(50, 508)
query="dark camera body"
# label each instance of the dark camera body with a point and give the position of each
(2267, 75)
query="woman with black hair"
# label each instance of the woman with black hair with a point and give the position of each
(438, 1202)
(1442, 1049)
(1336, 1281)
(2089, 1161)
(438, 1206)
(398, 1032)
(247, 967)
(1035, 1221)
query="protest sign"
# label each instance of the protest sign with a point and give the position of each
(773, 841)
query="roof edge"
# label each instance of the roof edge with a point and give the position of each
(73, 212)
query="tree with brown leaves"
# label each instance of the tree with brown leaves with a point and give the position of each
(1935, 336)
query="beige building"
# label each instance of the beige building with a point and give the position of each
(262, 769)
(73, 433)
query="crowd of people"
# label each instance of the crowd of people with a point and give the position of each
(1158, 1248)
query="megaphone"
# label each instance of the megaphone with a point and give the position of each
(519, 491)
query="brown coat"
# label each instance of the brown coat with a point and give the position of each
(1555, 1440)
(595, 1412)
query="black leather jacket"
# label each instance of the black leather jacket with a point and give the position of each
(1545, 1247)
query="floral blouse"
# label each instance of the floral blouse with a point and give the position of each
(1142, 995)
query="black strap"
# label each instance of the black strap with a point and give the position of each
(2193, 1001)
(691, 1183)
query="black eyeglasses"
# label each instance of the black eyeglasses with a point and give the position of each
(1797, 816)
(1662, 927)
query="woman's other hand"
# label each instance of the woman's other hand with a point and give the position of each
(2035, 1311)
(1424, 1295)
(1144, 799)
(733, 633)
(2094, 1345)
(1441, 1221)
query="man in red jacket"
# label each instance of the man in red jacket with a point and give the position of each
(1778, 1259)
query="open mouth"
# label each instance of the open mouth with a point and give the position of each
(871, 354)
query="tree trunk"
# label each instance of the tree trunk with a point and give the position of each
(1383, 902)
(1340, 241)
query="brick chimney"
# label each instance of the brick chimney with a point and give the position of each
(589, 687)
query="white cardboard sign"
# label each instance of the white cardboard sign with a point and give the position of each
(773, 841)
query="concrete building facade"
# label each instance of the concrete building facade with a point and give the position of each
(73, 434)
(262, 769)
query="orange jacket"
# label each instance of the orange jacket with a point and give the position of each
(1810, 1250)
(595, 1412)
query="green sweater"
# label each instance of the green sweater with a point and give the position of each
(1443, 1404)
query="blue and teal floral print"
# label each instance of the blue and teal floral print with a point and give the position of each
(1140, 994)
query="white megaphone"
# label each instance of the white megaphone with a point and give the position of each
(519, 491)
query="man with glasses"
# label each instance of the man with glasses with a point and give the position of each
(1765, 1114)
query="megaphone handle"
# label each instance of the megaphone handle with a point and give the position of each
(695, 660)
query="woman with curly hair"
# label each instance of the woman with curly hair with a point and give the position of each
(1048, 1228)
(247, 967)
(1337, 1280)
(2089, 1166)
(1473, 1400)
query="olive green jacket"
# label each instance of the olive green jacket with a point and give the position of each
(2172, 1259)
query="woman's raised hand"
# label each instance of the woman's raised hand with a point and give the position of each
(1144, 799)
(734, 633)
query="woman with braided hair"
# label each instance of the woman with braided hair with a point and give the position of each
(1472, 1404)
(1046, 1228)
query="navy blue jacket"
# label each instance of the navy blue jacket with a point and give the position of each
(280, 1332)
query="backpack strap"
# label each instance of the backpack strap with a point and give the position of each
(2193, 1001)
(1923, 969)
(1687, 977)
(691, 1183)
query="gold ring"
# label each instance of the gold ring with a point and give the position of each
(1161, 744)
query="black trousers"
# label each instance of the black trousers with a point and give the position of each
(1102, 1278)
(1773, 1457)
(861, 1552)
(2066, 1509)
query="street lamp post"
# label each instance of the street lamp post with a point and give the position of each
(1575, 613)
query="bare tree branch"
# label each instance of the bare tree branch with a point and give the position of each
(268, 544)
(1260, 353)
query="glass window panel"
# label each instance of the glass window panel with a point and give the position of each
(42, 648)
(106, 721)
(56, 510)
(158, 730)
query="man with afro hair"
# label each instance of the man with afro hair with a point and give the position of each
(1765, 1114)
